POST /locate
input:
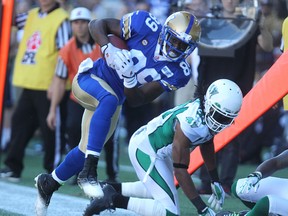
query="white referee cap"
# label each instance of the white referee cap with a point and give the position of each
(80, 13)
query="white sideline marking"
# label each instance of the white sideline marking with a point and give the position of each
(21, 200)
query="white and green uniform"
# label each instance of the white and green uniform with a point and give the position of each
(150, 150)
(275, 188)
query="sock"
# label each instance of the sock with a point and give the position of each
(135, 189)
(72, 165)
(261, 207)
(120, 201)
(91, 162)
(147, 207)
(117, 187)
(89, 152)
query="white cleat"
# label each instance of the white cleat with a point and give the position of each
(87, 178)
(91, 189)
(40, 207)
(46, 186)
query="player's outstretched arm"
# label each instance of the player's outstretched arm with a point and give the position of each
(181, 159)
(274, 164)
(265, 169)
(217, 198)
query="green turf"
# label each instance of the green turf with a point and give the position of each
(33, 166)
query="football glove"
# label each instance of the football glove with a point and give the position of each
(207, 212)
(216, 200)
(252, 181)
(109, 52)
(124, 67)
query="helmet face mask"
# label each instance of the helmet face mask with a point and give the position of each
(216, 120)
(223, 101)
(179, 36)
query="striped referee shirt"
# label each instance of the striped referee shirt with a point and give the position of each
(61, 68)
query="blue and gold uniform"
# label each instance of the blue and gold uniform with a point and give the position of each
(103, 88)
(158, 54)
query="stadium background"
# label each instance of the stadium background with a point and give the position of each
(18, 199)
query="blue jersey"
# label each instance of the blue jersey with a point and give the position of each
(141, 32)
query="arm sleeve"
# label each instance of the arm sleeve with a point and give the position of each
(61, 69)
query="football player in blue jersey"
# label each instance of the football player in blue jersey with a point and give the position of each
(154, 63)
(161, 149)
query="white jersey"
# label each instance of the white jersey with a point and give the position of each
(150, 151)
(161, 129)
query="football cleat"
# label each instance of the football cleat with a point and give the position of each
(46, 186)
(98, 205)
(231, 213)
(87, 178)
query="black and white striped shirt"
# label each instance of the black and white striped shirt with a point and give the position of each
(61, 68)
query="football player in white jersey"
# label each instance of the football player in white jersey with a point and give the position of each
(161, 149)
(262, 193)
(153, 63)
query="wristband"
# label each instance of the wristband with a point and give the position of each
(104, 47)
(198, 203)
(256, 174)
(180, 165)
(130, 82)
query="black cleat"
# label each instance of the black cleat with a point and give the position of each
(8, 174)
(87, 178)
(100, 204)
(46, 186)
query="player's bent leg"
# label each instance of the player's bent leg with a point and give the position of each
(112, 200)
(277, 205)
(250, 205)
(72, 165)
(279, 189)
(46, 186)
(48, 183)
(147, 207)
(99, 128)
(261, 208)
(135, 189)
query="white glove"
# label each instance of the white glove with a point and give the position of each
(216, 200)
(252, 181)
(124, 67)
(85, 65)
(207, 212)
(109, 51)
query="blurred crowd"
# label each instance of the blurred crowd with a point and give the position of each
(269, 132)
